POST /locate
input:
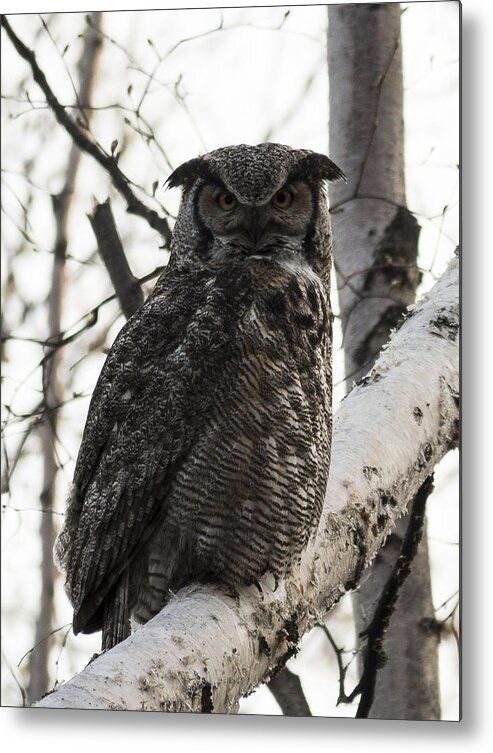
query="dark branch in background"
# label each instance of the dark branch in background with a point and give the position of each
(54, 387)
(286, 688)
(375, 656)
(107, 161)
(127, 287)
(342, 698)
(375, 632)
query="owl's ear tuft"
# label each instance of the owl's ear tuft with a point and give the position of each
(320, 167)
(186, 173)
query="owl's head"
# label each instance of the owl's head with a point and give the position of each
(266, 200)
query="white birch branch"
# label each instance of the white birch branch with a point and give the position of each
(206, 648)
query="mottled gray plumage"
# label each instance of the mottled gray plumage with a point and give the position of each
(206, 449)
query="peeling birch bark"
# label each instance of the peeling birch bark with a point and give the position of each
(206, 648)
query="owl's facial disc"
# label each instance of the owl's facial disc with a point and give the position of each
(281, 223)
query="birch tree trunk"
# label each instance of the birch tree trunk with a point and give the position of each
(53, 392)
(207, 648)
(375, 254)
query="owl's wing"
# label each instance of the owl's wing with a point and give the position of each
(152, 396)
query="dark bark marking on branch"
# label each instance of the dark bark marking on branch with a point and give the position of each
(264, 647)
(358, 540)
(394, 268)
(369, 471)
(387, 500)
(206, 702)
(445, 325)
(424, 455)
(365, 352)
(291, 628)
(382, 520)
(368, 379)
(290, 633)
(395, 258)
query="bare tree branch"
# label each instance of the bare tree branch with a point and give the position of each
(127, 287)
(343, 697)
(53, 391)
(287, 689)
(107, 161)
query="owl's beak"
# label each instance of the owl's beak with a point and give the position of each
(255, 224)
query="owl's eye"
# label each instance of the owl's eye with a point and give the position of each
(283, 199)
(226, 201)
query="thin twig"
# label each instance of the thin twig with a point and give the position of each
(16, 679)
(46, 637)
(343, 697)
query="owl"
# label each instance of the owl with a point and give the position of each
(206, 449)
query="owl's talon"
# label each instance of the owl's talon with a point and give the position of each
(259, 587)
(95, 656)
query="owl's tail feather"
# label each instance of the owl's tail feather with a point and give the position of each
(116, 616)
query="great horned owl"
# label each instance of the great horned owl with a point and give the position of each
(206, 449)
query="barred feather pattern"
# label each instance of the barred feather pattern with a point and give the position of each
(206, 449)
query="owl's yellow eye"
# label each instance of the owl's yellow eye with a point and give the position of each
(226, 201)
(283, 199)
